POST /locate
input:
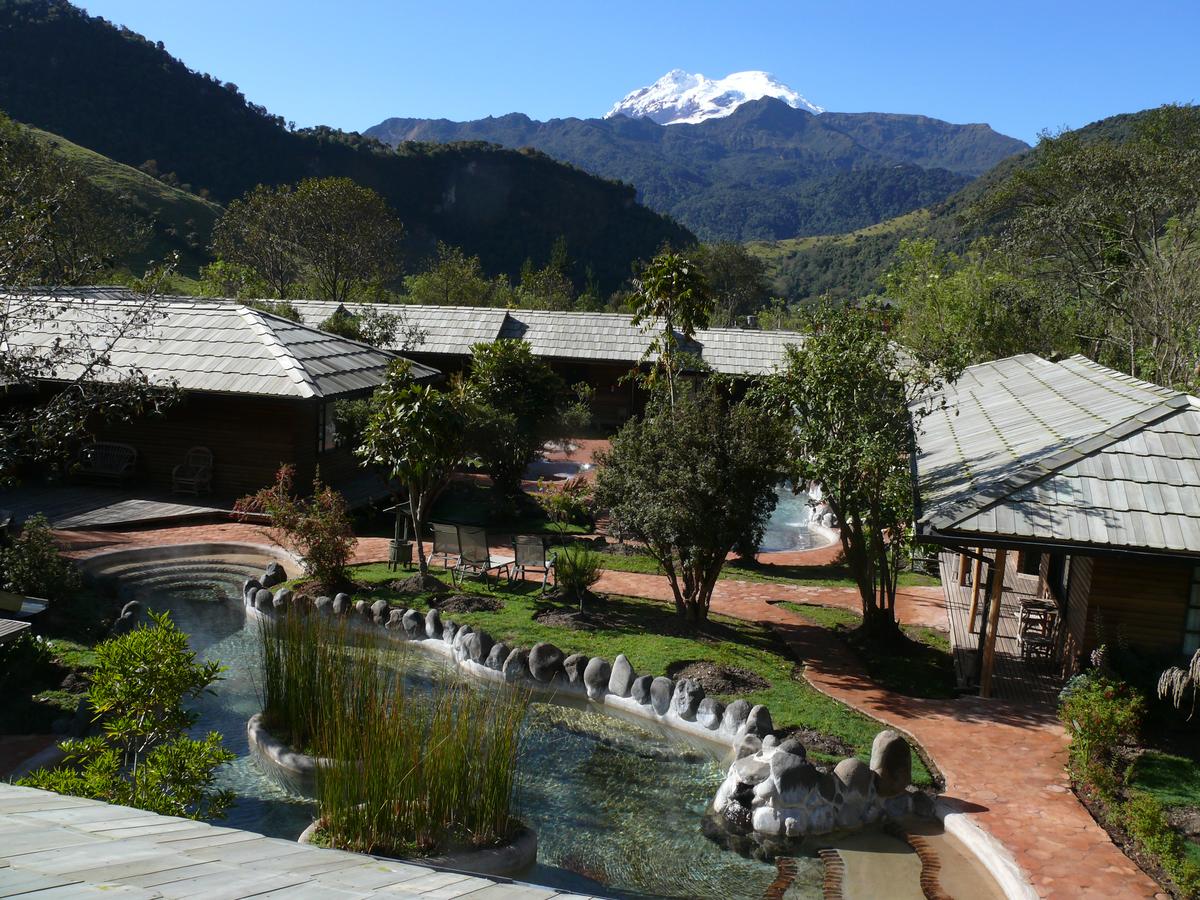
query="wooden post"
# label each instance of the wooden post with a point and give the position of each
(976, 581)
(989, 648)
(962, 569)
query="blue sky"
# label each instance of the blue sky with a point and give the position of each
(1019, 66)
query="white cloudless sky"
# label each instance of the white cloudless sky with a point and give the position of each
(1019, 66)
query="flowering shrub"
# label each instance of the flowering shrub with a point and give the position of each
(570, 504)
(1099, 714)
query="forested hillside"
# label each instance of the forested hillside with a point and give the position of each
(766, 171)
(123, 96)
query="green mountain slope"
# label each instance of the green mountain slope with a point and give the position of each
(852, 264)
(125, 97)
(180, 221)
(765, 171)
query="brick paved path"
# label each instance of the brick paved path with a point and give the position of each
(1003, 764)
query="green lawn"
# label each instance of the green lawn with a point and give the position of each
(804, 576)
(651, 636)
(1172, 780)
(925, 668)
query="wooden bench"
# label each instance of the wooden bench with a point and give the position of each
(107, 460)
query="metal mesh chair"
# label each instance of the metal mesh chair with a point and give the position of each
(445, 544)
(475, 556)
(531, 555)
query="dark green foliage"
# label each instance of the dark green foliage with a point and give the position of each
(688, 480)
(143, 757)
(507, 206)
(576, 569)
(1100, 714)
(767, 171)
(517, 398)
(33, 565)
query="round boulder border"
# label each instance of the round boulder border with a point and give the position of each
(545, 661)
(661, 689)
(620, 682)
(497, 655)
(596, 676)
(574, 666)
(294, 771)
(433, 624)
(641, 689)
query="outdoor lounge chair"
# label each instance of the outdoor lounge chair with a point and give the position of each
(445, 544)
(107, 460)
(531, 555)
(194, 474)
(477, 558)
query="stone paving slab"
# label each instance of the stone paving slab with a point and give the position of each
(50, 849)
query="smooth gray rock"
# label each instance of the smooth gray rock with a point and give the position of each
(827, 786)
(395, 620)
(460, 636)
(596, 676)
(747, 745)
(302, 603)
(341, 604)
(449, 629)
(476, 646)
(283, 597)
(769, 742)
(793, 745)
(641, 689)
(414, 625)
(891, 761)
(736, 714)
(516, 665)
(545, 661)
(127, 621)
(250, 587)
(362, 608)
(273, 574)
(264, 601)
(620, 682)
(497, 655)
(433, 624)
(759, 721)
(323, 605)
(686, 699)
(794, 776)
(574, 665)
(709, 713)
(661, 689)
(379, 611)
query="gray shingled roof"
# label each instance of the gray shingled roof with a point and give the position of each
(219, 346)
(581, 336)
(1069, 452)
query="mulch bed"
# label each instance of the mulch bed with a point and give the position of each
(467, 603)
(718, 679)
(572, 619)
(818, 741)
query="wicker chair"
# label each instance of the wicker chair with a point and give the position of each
(194, 474)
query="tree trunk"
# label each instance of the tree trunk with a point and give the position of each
(417, 514)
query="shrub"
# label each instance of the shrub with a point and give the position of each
(568, 504)
(1144, 819)
(576, 569)
(34, 567)
(144, 758)
(1099, 714)
(317, 527)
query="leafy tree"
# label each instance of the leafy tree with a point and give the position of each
(973, 308)
(317, 527)
(517, 398)
(346, 237)
(1112, 227)
(33, 565)
(371, 326)
(455, 279)
(737, 279)
(688, 479)
(144, 758)
(285, 309)
(550, 287)
(255, 245)
(674, 299)
(855, 401)
(55, 231)
(418, 436)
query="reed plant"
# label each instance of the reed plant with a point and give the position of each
(410, 766)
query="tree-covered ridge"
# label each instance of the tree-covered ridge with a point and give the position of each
(123, 96)
(766, 171)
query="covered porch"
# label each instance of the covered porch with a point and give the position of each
(986, 638)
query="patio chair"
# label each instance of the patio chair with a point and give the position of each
(477, 558)
(531, 555)
(107, 460)
(194, 474)
(445, 544)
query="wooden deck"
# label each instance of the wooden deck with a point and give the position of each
(1013, 678)
(53, 846)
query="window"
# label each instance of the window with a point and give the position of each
(1191, 625)
(1030, 564)
(326, 428)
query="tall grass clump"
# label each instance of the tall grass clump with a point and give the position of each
(410, 766)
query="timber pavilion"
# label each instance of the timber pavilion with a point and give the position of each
(1066, 498)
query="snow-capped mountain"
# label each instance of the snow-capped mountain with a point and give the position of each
(681, 97)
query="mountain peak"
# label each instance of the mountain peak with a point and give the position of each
(683, 97)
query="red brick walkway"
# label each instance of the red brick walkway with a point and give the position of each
(1003, 764)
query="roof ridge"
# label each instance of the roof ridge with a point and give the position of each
(291, 366)
(1052, 463)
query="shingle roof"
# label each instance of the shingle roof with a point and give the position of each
(1069, 452)
(216, 346)
(583, 336)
